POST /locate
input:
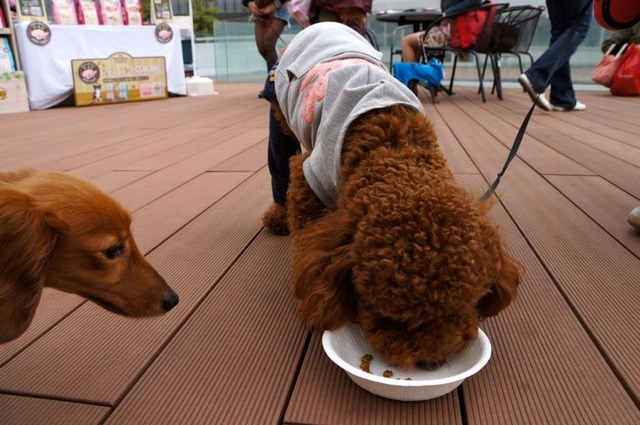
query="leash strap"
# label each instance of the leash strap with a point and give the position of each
(523, 127)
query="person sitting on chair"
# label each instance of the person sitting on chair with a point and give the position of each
(411, 42)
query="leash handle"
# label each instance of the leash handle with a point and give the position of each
(523, 127)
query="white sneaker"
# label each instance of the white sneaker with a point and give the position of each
(634, 218)
(579, 106)
(541, 100)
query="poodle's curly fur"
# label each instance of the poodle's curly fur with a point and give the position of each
(408, 253)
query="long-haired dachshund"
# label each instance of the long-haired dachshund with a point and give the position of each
(59, 231)
(382, 234)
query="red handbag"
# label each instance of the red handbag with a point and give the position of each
(626, 79)
(604, 70)
(467, 28)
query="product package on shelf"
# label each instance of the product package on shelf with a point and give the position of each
(3, 23)
(13, 93)
(132, 12)
(7, 63)
(88, 12)
(31, 10)
(162, 10)
(63, 12)
(111, 12)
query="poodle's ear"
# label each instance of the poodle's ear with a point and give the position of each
(321, 272)
(26, 243)
(503, 290)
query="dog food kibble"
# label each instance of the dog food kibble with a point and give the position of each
(365, 364)
(365, 361)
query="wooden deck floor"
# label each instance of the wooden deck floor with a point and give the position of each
(193, 172)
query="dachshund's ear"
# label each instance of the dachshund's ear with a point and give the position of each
(321, 272)
(503, 290)
(26, 243)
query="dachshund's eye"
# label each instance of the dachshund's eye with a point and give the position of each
(114, 251)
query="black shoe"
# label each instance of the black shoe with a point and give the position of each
(260, 95)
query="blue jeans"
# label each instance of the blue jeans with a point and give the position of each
(562, 14)
(281, 148)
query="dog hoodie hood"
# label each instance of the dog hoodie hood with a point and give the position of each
(328, 76)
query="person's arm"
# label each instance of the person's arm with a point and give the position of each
(618, 38)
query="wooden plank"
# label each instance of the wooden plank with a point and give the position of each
(153, 186)
(503, 123)
(146, 141)
(541, 355)
(114, 180)
(457, 158)
(27, 153)
(15, 410)
(620, 173)
(54, 306)
(142, 148)
(585, 262)
(96, 356)
(194, 142)
(224, 367)
(324, 394)
(155, 222)
(604, 203)
(251, 159)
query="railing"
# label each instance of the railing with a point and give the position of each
(231, 54)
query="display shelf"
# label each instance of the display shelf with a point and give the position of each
(9, 32)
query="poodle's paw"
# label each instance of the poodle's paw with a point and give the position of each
(275, 219)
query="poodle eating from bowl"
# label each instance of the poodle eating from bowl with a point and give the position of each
(382, 234)
(60, 231)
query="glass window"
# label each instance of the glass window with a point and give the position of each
(180, 7)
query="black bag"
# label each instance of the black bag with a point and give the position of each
(504, 37)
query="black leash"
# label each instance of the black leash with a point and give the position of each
(523, 127)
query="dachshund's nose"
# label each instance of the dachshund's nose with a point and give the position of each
(171, 301)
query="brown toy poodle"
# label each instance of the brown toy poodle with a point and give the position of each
(405, 251)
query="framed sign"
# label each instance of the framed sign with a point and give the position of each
(118, 78)
(161, 11)
(31, 10)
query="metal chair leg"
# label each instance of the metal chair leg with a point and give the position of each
(453, 72)
(484, 98)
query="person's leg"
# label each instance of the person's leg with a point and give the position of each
(267, 32)
(280, 150)
(561, 16)
(410, 47)
(563, 94)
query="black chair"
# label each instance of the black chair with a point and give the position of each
(372, 38)
(492, 10)
(396, 40)
(511, 34)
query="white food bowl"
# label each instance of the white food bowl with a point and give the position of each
(346, 346)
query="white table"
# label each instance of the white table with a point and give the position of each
(47, 68)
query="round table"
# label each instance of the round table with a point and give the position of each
(420, 18)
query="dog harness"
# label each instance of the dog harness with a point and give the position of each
(328, 76)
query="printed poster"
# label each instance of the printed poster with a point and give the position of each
(119, 78)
